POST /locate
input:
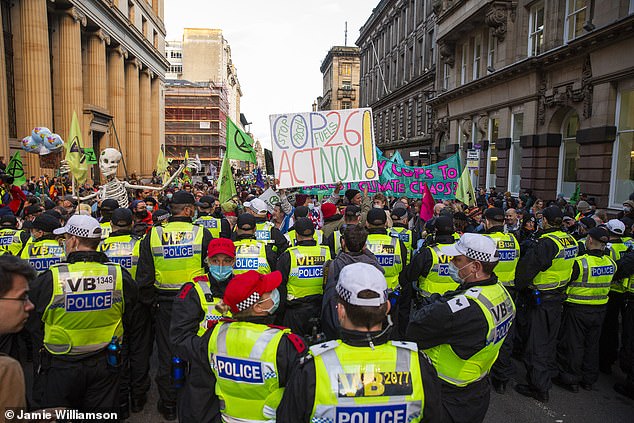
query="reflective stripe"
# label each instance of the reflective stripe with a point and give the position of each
(230, 419)
(586, 297)
(262, 343)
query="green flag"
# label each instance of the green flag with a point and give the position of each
(239, 144)
(465, 192)
(226, 186)
(75, 156)
(574, 199)
(91, 157)
(16, 169)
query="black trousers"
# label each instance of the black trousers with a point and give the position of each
(297, 314)
(626, 359)
(540, 355)
(141, 346)
(578, 348)
(465, 405)
(503, 369)
(609, 343)
(86, 384)
(162, 318)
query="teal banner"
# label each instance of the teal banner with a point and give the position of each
(399, 180)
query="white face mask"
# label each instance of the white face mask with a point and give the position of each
(454, 273)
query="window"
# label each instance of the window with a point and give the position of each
(144, 26)
(9, 69)
(445, 76)
(631, 6)
(432, 52)
(176, 54)
(421, 56)
(345, 69)
(622, 183)
(463, 65)
(536, 30)
(575, 18)
(155, 39)
(131, 12)
(176, 69)
(492, 45)
(477, 52)
(346, 85)
(412, 62)
(517, 125)
(492, 155)
(346, 105)
(568, 156)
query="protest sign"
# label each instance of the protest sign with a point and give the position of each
(409, 181)
(271, 198)
(323, 147)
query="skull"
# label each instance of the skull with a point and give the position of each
(109, 161)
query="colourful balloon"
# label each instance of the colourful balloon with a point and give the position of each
(30, 145)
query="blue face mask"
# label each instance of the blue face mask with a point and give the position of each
(220, 273)
(275, 297)
(454, 272)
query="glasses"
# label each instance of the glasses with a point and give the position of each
(24, 298)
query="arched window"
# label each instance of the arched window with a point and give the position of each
(568, 156)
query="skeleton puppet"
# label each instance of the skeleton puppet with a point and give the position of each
(116, 189)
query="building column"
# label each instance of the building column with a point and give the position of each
(145, 112)
(96, 91)
(70, 70)
(540, 162)
(158, 127)
(116, 97)
(595, 162)
(36, 73)
(4, 108)
(132, 140)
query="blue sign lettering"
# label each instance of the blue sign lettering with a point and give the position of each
(443, 270)
(501, 330)
(570, 253)
(384, 413)
(208, 223)
(125, 262)
(89, 302)
(6, 240)
(263, 235)
(507, 255)
(602, 270)
(178, 251)
(246, 263)
(385, 261)
(239, 370)
(310, 272)
(42, 264)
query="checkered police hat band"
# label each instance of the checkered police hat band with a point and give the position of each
(344, 293)
(83, 232)
(249, 302)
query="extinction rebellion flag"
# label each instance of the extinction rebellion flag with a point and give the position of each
(239, 144)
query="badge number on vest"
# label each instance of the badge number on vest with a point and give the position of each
(373, 414)
(375, 384)
(79, 297)
(239, 370)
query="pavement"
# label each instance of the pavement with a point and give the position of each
(601, 405)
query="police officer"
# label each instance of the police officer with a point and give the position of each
(251, 254)
(169, 256)
(247, 361)
(291, 236)
(625, 272)
(302, 268)
(194, 308)
(12, 239)
(584, 311)
(121, 246)
(509, 253)
(108, 206)
(265, 231)
(208, 217)
(390, 252)
(609, 342)
(43, 250)
(429, 268)
(541, 277)
(405, 389)
(463, 331)
(351, 217)
(83, 305)
(400, 229)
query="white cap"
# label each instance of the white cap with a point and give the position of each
(82, 226)
(474, 246)
(358, 277)
(615, 226)
(257, 205)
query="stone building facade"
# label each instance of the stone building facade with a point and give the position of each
(550, 106)
(340, 69)
(398, 58)
(102, 59)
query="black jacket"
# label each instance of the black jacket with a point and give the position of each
(41, 292)
(297, 403)
(145, 269)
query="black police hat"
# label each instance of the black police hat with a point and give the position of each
(304, 226)
(206, 202)
(494, 213)
(183, 197)
(377, 216)
(122, 217)
(246, 221)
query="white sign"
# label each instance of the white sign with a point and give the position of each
(323, 147)
(271, 198)
(473, 154)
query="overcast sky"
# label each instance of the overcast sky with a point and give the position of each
(276, 45)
